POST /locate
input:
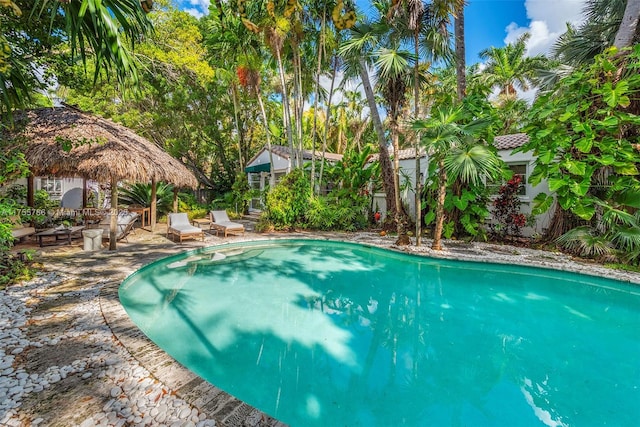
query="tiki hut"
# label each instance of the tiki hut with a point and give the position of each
(66, 142)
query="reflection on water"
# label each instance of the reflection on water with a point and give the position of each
(335, 334)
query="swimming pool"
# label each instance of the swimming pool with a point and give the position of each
(320, 333)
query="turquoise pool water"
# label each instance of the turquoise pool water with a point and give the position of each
(319, 333)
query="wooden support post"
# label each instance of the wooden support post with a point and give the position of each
(84, 193)
(175, 199)
(154, 204)
(30, 191)
(114, 214)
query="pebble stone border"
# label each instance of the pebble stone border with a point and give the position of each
(136, 398)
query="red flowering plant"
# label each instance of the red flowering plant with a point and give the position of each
(248, 77)
(508, 220)
(242, 73)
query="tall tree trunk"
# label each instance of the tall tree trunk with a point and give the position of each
(286, 110)
(296, 97)
(629, 25)
(272, 177)
(442, 194)
(385, 161)
(403, 239)
(315, 107)
(327, 119)
(236, 108)
(461, 76)
(416, 136)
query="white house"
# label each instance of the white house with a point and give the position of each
(522, 164)
(259, 167)
(69, 191)
(407, 160)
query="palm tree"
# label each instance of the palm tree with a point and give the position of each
(357, 52)
(393, 75)
(457, 157)
(508, 69)
(629, 25)
(461, 64)
(607, 23)
(427, 29)
(231, 43)
(106, 30)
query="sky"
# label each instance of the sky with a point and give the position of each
(492, 22)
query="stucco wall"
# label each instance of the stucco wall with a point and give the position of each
(408, 174)
(542, 221)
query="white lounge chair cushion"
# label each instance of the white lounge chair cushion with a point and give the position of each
(178, 219)
(230, 225)
(185, 228)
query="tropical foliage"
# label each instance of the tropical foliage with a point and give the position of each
(585, 135)
(139, 194)
(287, 202)
(214, 91)
(506, 213)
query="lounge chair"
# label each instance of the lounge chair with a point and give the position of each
(178, 225)
(220, 222)
(123, 228)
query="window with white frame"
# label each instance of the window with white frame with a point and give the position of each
(518, 169)
(53, 186)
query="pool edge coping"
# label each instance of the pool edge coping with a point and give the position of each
(230, 411)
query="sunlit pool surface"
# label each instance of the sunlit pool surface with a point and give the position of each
(320, 333)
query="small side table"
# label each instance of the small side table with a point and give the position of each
(199, 222)
(145, 213)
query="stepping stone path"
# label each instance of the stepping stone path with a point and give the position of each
(60, 364)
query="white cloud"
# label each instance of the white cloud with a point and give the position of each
(201, 4)
(198, 8)
(548, 22)
(194, 12)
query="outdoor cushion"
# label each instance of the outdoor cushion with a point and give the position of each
(220, 222)
(178, 225)
(124, 225)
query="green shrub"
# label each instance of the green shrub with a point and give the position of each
(287, 202)
(242, 193)
(197, 213)
(329, 213)
(139, 194)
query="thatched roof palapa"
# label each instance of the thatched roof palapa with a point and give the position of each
(99, 149)
(102, 150)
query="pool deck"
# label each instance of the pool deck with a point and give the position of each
(69, 355)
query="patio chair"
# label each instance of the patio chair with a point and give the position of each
(220, 222)
(124, 225)
(178, 225)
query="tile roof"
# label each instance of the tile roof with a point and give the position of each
(509, 142)
(283, 151)
(409, 153)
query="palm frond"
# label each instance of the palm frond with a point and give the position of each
(392, 62)
(108, 29)
(584, 242)
(472, 163)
